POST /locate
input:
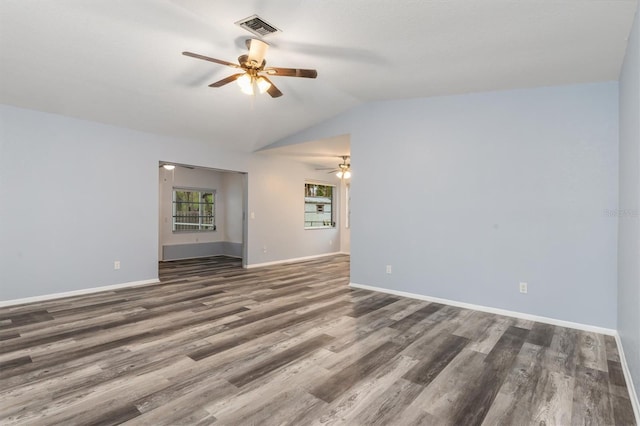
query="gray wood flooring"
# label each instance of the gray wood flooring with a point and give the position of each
(292, 344)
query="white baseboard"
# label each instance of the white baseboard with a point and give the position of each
(497, 311)
(627, 376)
(200, 257)
(76, 292)
(296, 259)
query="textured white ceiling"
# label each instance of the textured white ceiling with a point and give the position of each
(120, 62)
(320, 153)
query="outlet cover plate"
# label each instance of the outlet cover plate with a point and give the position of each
(523, 287)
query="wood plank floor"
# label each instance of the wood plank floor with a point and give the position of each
(292, 344)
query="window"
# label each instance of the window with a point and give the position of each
(318, 206)
(347, 199)
(193, 210)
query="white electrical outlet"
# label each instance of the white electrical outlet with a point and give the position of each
(116, 264)
(264, 249)
(523, 287)
(388, 269)
(330, 242)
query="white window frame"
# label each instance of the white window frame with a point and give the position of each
(332, 204)
(202, 227)
(347, 203)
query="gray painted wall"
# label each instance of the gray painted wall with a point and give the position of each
(629, 220)
(233, 190)
(466, 196)
(77, 195)
(72, 194)
(276, 200)
(192, 250)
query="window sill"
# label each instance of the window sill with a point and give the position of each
(306, 228)
(194, 232)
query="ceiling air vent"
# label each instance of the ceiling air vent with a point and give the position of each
(257, 26)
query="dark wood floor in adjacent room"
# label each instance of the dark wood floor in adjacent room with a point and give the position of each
(292, 344)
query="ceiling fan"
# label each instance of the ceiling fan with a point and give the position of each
(344, 169)
(253, 78)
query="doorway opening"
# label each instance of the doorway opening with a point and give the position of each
(201, 213)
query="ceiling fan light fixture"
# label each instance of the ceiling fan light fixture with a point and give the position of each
(344, 171)
(246, 84)
(250, 84)
(263, 84)
(344, 174)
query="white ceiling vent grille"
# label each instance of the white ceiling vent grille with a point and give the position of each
(257, 26)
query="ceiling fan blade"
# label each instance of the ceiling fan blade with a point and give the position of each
(257, 50)
(291, 72)
(206, 58)
(273, 90)
(227, 80)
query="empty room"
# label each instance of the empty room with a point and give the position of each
(319, 212)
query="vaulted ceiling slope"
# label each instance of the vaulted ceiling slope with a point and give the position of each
(120, 62)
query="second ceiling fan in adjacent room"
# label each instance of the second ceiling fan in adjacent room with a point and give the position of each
(344, 169)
